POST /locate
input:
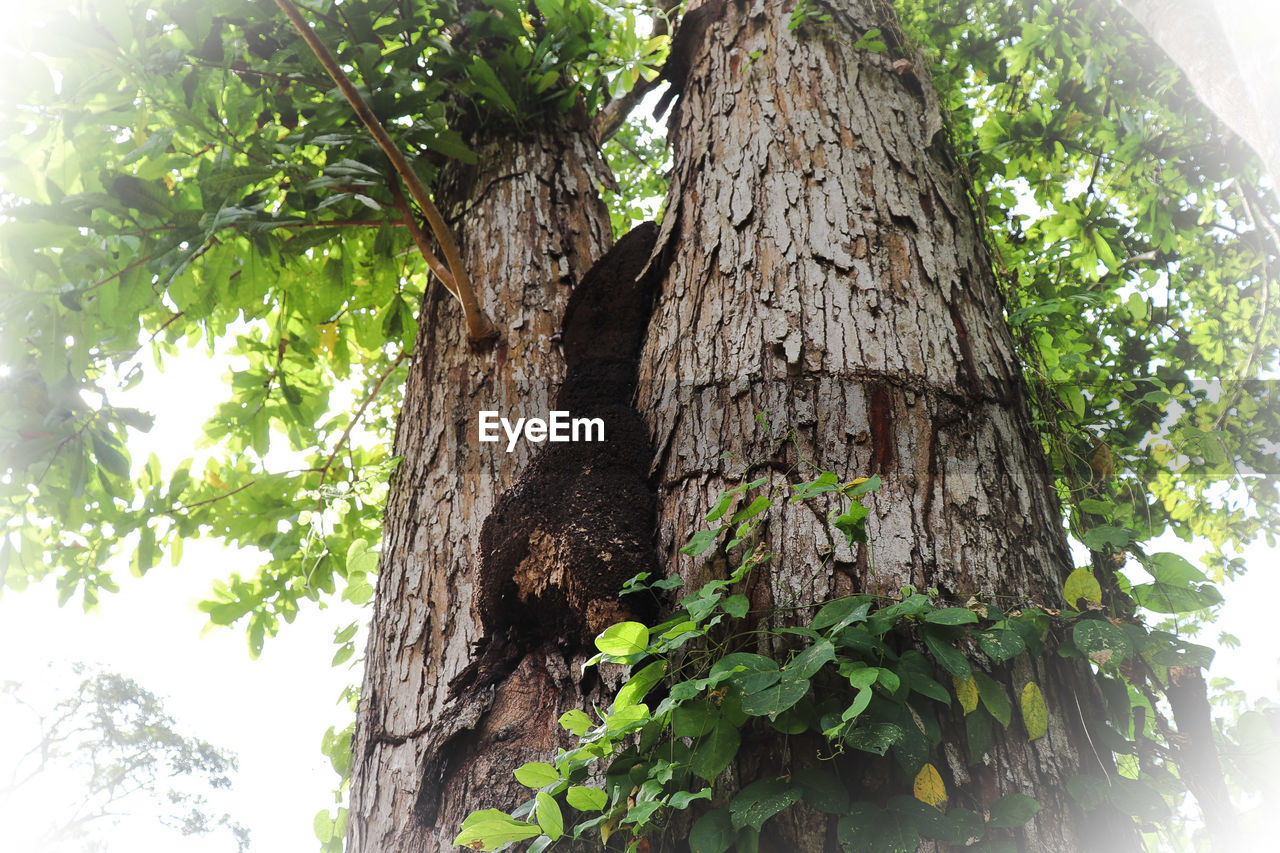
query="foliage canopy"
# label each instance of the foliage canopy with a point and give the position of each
(181, 176)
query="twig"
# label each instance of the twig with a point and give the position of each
(420, 239)
(479, 327)
(369, 398)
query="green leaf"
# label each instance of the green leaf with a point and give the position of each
(774, 700)
(951, 616)
(549, 817)
(736, 605)
(852, 523)
(994, 699)
(1013, 810)
(1089, 791)
(952, 660)
(1101, 641)
(586, 799)
(1081, 584)
(748, 673)
(575, 722)
(1001, 644)
(639, 685)
(537, 774)
(806, 664)
(682, 799)
(489, 829)
(822, 789)
(623, 639)
(713, 753)
(109, 458)
(712, 833)
(700, 542)
(841, 613)
(874, 737)
(756, 507)
(761, 800)
(1138, 799)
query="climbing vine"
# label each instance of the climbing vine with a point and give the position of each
(867, 674)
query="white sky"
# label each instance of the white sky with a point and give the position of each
(273, 711)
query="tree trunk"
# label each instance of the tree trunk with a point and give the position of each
(530, 225)
(827, 276)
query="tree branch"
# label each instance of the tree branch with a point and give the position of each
(479, 328)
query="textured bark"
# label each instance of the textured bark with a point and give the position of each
(530, 225)
(1232, 69)
(826, 274)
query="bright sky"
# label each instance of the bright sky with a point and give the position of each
(273, 711)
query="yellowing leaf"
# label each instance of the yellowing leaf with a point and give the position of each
(214, 480)
(1081, 584)
(966, 692)
(928, 787)
(1035, 713)
(328, 336)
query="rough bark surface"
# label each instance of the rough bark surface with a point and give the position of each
(827, 276)
(530, 225)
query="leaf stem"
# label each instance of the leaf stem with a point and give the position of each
(479, 328)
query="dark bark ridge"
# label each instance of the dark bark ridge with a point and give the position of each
(579, 522)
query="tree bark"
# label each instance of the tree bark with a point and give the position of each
(530, 225)
(827, 275)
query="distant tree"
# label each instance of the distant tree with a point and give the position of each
(95, 763)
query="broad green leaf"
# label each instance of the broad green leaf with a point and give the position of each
(951, 658)
(537, 774)
(1013, 810)
(951, 616)
(1081, 584)
(712, 833)
(1101, 641)
(586, 799)
(623, 639)
(761, 800)
(714, 752)
(489, 829)
(548, 814)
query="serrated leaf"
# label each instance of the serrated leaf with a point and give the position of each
(928, 787)
(1035, 714)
